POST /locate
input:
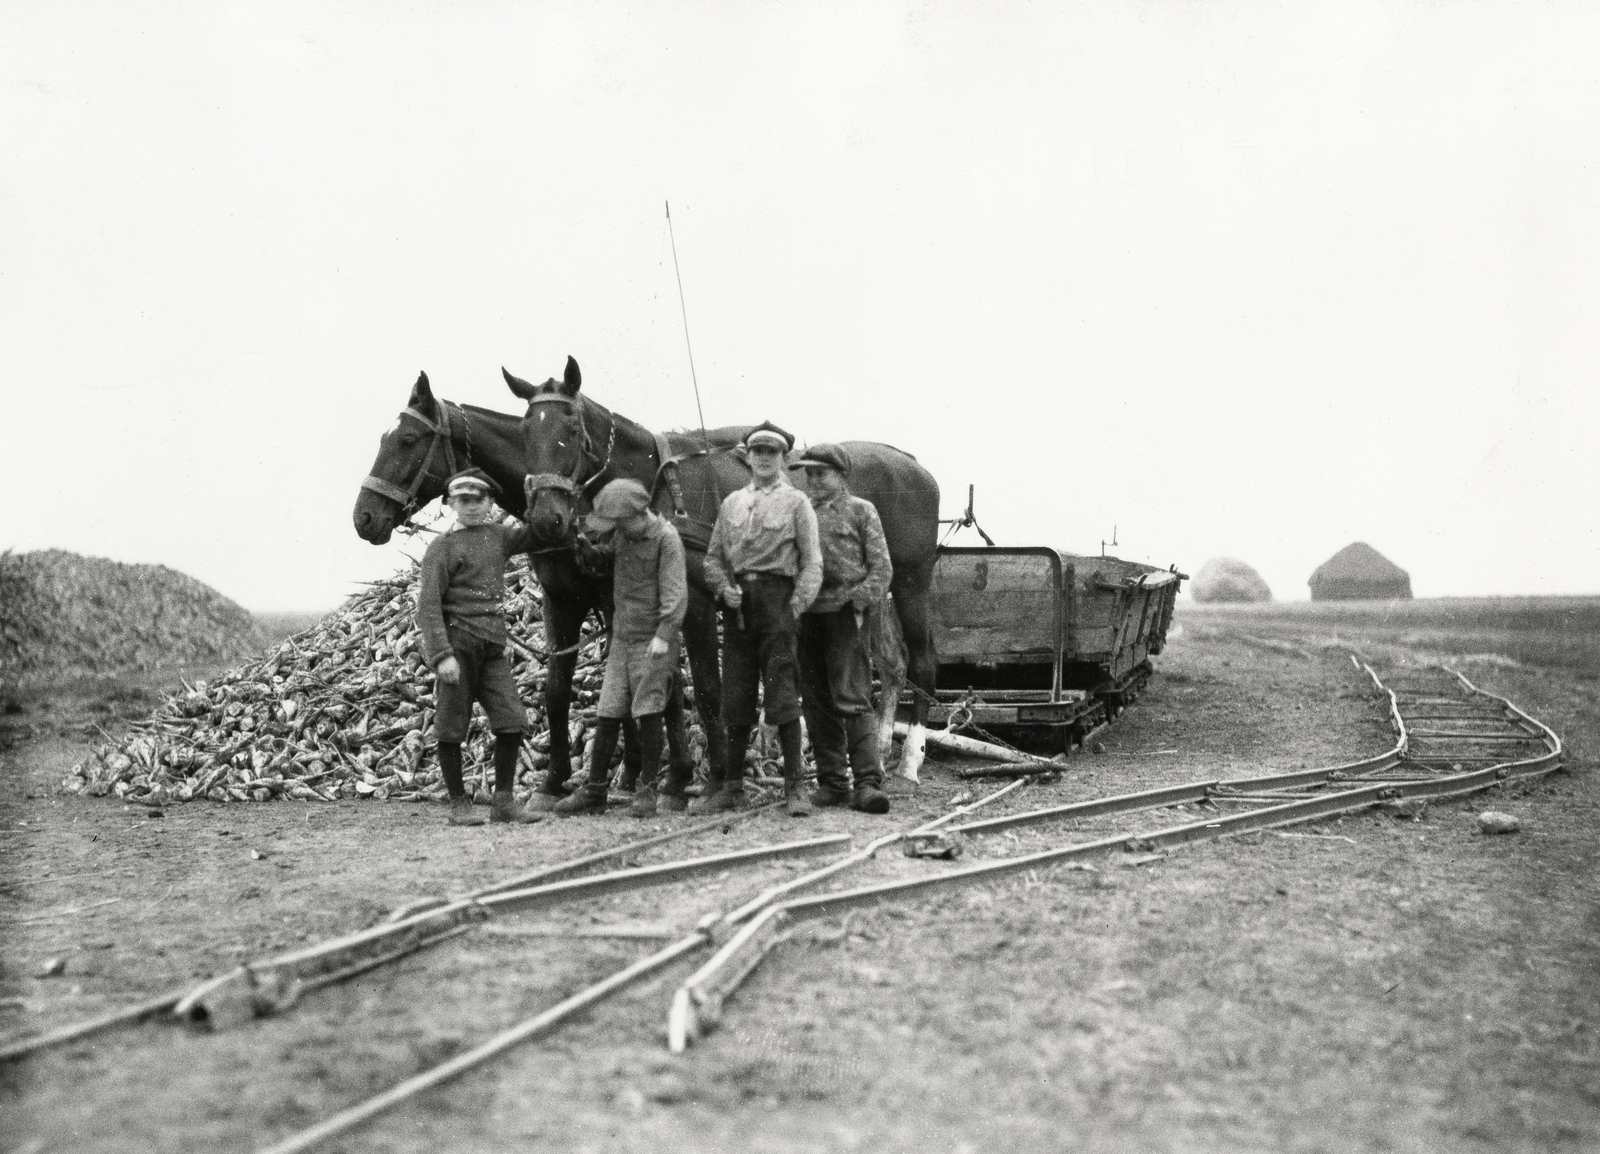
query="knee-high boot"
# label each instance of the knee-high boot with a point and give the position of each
(590, 797)
(865, 760)
(730, 793)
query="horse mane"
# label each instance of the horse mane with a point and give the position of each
(480, 410)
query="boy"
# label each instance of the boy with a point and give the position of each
(464, 638)
(835, 669)
(650, 592)
(764, 564)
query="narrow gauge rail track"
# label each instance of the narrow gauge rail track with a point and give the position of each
(1424, 762)
(749, 933)
(1443, 724)
(272, 984)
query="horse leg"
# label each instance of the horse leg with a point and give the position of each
(700, 642)
(562, 623)
(888, 652)
(922, 670)
(680, 758)
(631, 759)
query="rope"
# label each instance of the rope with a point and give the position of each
(684, 308)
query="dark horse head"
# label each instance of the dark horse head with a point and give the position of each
(567, 444)
(415, 458)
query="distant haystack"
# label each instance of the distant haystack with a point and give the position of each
(1358, 572)
(62, 615)
(1224, 579)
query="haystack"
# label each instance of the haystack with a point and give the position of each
(1358, 572)
(64, 615)
(1228, 579)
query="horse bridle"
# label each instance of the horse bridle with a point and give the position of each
(442, 432)
(574, 486)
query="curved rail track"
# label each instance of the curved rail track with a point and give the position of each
(1451, 738)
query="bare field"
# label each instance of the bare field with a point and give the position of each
(1366, 984)
(1548, 632)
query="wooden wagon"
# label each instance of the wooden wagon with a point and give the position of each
(1041, 645)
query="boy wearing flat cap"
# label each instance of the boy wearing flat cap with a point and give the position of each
(463, 628)
(765, 566)
(835, 670)
(650, 592)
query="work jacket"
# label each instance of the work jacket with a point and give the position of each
(650, 588)
(771, 530)
(855, 556)
(464, 585)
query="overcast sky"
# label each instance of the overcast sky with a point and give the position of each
(1229, 278)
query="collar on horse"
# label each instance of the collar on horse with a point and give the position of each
(443, 433)
(575, 485)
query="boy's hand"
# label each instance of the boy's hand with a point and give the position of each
(449, 671)
(732, 596)
(658, 647)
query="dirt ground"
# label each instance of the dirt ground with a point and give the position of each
(1366, 984)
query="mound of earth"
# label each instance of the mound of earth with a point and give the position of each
(342, 709)
(1225, 579)
(64, 615)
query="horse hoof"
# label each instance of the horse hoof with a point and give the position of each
(912, 754)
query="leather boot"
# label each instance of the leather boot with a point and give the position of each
(590, 797)
(670, 797)
(462, 813)
(861, 731)
(827, 797)
(545, 798)
(869, 799)
(504, 808)
(643, 803)
(725, 797)
(587, 798)
(652, 735)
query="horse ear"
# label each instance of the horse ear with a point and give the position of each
(422, 395)
(572, 379)
(517, 385)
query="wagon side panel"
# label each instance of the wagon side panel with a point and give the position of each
(994, 609)
(1122, 610)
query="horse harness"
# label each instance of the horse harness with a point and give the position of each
(443, 433)
(694, 532)
(575, 486)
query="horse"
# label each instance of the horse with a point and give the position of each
(433, 439)
(572, 445)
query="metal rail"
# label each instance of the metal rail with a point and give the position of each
(578, 865)
(709, 929)
(209, 1003)
(697, 1006)
(536, 1026)
(412, 928)
(751, 931)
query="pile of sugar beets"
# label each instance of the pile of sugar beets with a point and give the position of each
(340, 710)
(64, 616)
